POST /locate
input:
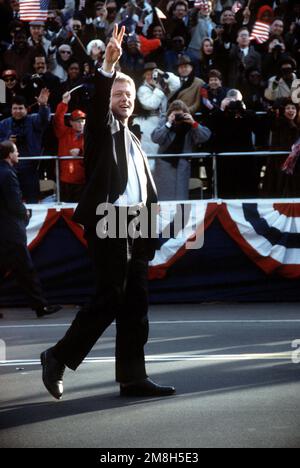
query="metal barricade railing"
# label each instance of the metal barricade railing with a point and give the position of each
(205, 155)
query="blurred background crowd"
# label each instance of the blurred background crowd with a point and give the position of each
(211, 76)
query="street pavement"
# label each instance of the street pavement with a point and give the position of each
(235, 368)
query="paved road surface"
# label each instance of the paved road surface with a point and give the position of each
(237, 385)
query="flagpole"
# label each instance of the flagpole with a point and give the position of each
(159, 20)
(80, 43)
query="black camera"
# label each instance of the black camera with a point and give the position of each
(235, 107)
(179, 118)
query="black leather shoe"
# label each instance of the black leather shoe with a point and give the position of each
(47, 310)
(53, 373)
(145, 388)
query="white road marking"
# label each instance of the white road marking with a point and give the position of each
(164, 322)
(169, 358)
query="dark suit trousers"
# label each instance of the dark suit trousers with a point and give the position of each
(121, 294)
(16, 257)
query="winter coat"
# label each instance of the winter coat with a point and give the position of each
(71, 172)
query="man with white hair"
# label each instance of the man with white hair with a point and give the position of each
(118, 177)
(96, 49)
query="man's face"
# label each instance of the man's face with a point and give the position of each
(40, 65)
(178, 44)
(18, 112)
(134, 47)
(37, 32)
(74, 71)
(277, 28)
(287, 71)
(180, 12)
(255, 77)
(15, 6)
(185, 70)
(77, 26)
(122, 100)
(14, 156)
(111, 11)
(78, 125)
(243, 39)
(20, 41)
(10, 81)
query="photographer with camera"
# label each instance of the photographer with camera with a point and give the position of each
(275, 54)
(176, 133)
(26, 131)
(233, 127)
(280, 86)
(152, 101)
(12, 89)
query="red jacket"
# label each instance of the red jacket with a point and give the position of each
(71, 172)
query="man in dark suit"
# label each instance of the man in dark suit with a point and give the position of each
(14, 217)
(118, 175)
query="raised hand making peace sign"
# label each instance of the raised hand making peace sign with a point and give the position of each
(114, 49)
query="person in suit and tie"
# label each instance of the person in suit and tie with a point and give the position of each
(117, 174)
(14, 254)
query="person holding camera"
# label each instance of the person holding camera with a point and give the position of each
(176, 133)
(26, 131)
(12, 89)
(14, 217)
(233, 127)
(281, 86)
(276, 52)
(152, 101)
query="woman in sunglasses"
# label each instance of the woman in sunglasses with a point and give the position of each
(59, 61)
(12, 89)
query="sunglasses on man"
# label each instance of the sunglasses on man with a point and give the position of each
(9, 79)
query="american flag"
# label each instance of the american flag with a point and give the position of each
(260, 32)
(34, 10)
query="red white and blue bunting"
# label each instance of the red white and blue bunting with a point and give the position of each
(267, 232)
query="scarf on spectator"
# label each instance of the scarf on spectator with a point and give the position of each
(290, 164)
(185, 85)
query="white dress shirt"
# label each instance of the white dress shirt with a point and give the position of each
(136, 189)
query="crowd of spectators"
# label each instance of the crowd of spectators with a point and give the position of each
(216, 76)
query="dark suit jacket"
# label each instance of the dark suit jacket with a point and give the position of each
(238, 65)
(106, 149)
(13, 214)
